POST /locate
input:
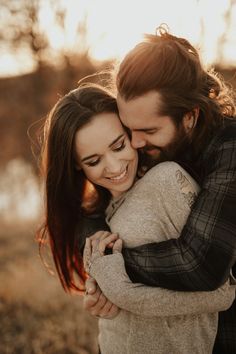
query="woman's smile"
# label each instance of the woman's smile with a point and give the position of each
(121, 177)
(111, 162)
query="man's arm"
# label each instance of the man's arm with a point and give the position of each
(109, 272)
(202, 257)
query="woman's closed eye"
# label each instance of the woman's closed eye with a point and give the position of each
(120, 146)
(93, 162)
(116, 148)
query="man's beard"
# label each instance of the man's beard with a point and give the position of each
(176, 150)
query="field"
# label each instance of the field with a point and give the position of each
(36, 315)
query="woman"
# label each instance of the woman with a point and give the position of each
(87, 146)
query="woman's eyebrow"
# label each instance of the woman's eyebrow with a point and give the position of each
(88, 157)
(114, 141)
(94, 155)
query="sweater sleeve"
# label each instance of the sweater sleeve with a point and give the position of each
(202, 257)
(109, 272)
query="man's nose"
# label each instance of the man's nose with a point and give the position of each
(137, 140)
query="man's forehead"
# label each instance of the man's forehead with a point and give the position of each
(146, 104)
(140, 113)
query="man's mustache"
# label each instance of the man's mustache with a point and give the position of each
(150, 148)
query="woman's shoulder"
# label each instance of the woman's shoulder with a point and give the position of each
(163, 170)
(161, 174)
(168, 173)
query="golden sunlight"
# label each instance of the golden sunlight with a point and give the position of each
(108, 29)
(114, 27)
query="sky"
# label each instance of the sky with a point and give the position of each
(113, 27)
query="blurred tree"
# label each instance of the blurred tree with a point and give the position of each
(20, 29)
(222, 41)
(26, 99)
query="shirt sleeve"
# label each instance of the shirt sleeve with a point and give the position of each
(202, 257)
(110, 274)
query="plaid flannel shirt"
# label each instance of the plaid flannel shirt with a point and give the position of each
(202, 258)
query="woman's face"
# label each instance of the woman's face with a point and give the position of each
(105, 154)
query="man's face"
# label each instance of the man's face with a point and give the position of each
(156, 136)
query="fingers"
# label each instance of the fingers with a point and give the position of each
(114, 310)
(91, 286)
(90, 301)
(98, 305)
(98, 235)
(101, 245)
(92, 294)
(95, 308)
(95, 303)
(106, 235)
(109, 310)
(94, 244)
(110, 245)
(96, 248)
(117, 248)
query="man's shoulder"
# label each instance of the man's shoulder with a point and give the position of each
(223, 135)
(221, 150)
(228, 129)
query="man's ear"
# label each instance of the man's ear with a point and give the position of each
(190, 119)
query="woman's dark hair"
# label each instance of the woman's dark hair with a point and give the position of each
(172, 67)
(68, 199)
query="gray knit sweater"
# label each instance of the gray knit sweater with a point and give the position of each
(155, 320)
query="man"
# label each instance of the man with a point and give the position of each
(160, 82)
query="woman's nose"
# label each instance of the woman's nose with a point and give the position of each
(113, 165)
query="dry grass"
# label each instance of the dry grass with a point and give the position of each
(36, 316)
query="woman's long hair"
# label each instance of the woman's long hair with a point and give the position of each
(172, 67)
(67, 198)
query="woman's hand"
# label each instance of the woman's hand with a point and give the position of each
(94, 300)
(95, 247)
(96, 303)
(106, 241)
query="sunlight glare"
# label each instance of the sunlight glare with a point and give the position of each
(109, 29)
(114, 27)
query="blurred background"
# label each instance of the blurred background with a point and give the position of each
(46, 47)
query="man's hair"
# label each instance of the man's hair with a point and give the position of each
(171, 66)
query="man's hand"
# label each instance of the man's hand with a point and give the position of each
(96, 303)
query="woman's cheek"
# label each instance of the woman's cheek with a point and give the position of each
(90, 173)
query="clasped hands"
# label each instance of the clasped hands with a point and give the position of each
(95, 301)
